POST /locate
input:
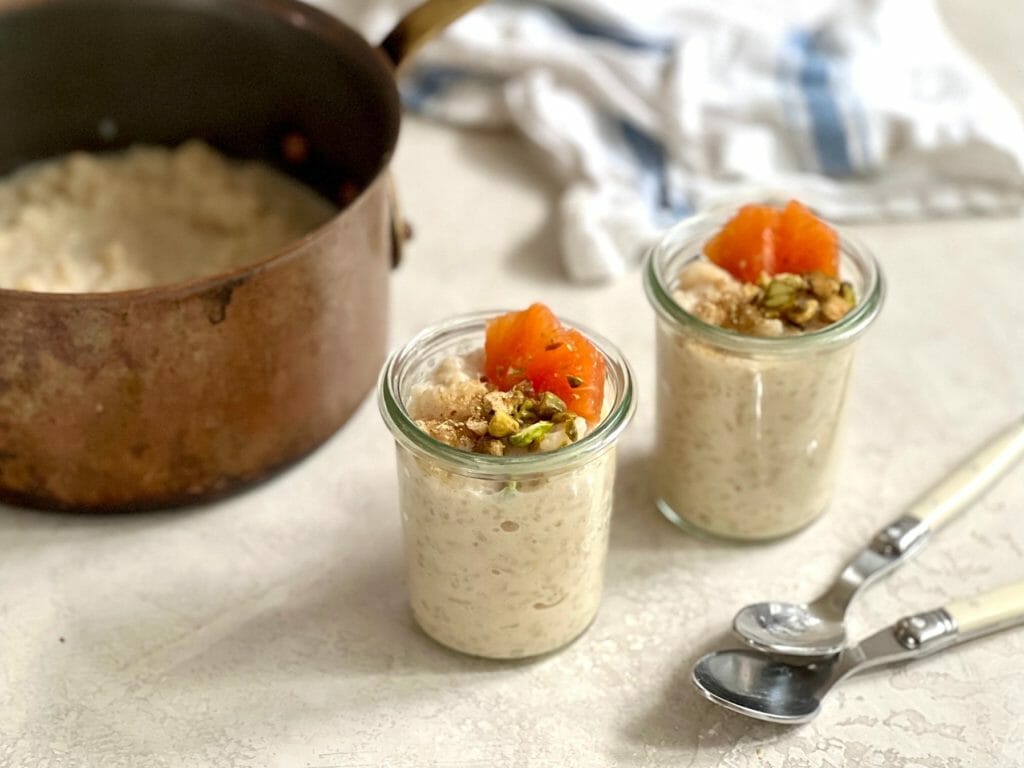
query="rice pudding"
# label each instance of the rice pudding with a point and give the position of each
(505, 537)
(146, 216)
(752, 383)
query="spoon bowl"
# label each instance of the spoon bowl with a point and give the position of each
(792, 629)
(759, 686)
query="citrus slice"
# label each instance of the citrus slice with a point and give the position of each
(745, 246)
(804, 243)
(514, 339)
(760, 238)
(532, 345)
(573, 369)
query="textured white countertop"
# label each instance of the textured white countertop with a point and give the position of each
(271, 629)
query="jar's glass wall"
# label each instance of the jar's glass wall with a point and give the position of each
(505, 569)
(747, 447)
(749, 429)
(505, 555)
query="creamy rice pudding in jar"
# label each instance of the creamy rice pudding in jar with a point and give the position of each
(505, 491)
(753, 363)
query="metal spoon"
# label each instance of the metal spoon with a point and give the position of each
(817, 629)
(765, 688)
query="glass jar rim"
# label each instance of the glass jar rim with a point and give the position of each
(407, 433)
(703, 225)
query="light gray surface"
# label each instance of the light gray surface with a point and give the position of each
(272, 628)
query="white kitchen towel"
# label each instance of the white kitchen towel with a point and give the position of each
(648, 110)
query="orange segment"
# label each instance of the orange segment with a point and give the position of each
(533, 344)
(804, 243)
(760, 238)
(512, 341)
(745, 246)
(574, 370)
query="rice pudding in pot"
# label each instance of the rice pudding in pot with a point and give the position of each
(506, 467)
(144, 217)
(758, 312)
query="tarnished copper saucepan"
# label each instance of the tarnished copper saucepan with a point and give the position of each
(172, 394)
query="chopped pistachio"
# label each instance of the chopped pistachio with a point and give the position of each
(502, 424)
(553, 346)
(574, 381)
(530, 434)
(834, 308)
(570, 429)
(779, 294)
(788, 278)
(773, 305)
(527, 411)
(550, 404)
(802, 311)
(822, 286)
(846, 291)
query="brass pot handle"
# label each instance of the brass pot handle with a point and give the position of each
(420, 26)
(401, 230)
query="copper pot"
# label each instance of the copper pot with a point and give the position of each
(178, 393)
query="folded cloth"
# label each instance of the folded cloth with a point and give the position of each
(864, 109)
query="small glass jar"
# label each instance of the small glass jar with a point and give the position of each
(505, 554)
(748, 428)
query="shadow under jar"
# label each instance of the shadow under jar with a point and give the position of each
(505, 554)
(749, 428)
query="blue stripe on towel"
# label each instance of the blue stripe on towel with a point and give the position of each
(586, 26)
(650, 156)
(425, 83)
(826, 120)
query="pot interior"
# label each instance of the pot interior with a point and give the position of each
(268, 79)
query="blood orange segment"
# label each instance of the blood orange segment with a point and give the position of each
(512, 341)
(804, 243)
(573, 369)
(745, 246)
(533, 345)
(760, 238)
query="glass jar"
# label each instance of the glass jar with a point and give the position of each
(505, 554)
(748, 428)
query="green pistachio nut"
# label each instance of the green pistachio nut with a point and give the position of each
(802, 311)
(550, 404)
(502, 424)
(531, 434)
(847, 292)
(779, 295)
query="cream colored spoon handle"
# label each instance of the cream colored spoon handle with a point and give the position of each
(971, 479)
(928, 632)
(989, 612)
